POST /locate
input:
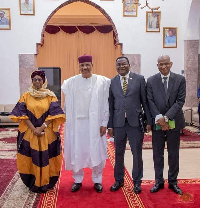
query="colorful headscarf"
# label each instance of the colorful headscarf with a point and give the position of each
(40, 73)
(42, 92)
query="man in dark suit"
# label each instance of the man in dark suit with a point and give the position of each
(127, 101)
(166, 96)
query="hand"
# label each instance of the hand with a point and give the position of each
(102, 130)
(148, 128)
(161, 121)
(111, 132)
(38, 131)
(165, 127)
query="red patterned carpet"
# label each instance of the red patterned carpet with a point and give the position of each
(87, 197)
(7, 157)
(14, 194)
(188, 140)
(165, 198)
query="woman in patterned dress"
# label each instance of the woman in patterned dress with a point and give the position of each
(38, 143)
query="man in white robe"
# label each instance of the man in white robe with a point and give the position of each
(87, 112)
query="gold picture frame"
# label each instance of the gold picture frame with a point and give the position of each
(5, 20)
(130, 8)
(27, 7)
(153, 21)
(170, 37)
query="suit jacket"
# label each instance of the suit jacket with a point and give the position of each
(171, 104)
(134, 102)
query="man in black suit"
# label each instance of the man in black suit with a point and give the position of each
(166, 96)
(127, 101)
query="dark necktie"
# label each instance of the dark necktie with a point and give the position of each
(165, 84)
(124, 85)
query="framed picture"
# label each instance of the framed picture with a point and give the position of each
(130, 8)
(27, 7)
(5, 21)
(169, 37)
(153, 21)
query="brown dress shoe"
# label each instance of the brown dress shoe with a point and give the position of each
(116, 186)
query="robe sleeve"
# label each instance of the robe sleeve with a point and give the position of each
(19, 112)
(56, 114)
(105, 102)
(64, 87)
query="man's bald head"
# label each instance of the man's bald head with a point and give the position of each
(163, 57)
(164, 64)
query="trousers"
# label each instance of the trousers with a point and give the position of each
(96, 174)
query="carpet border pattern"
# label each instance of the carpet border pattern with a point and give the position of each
(132, 199)
(49, 199)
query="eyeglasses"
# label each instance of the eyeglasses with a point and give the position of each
(35, 79)
(121, 65)
(164, 64)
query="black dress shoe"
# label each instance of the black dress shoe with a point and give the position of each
(175, 188)
(76, 187)
(157, 187)
(98, 187)
(116, 186)
(137, 189)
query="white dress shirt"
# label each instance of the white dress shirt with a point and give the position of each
(122, 78)
(160, 115)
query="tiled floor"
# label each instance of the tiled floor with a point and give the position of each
(189, 163)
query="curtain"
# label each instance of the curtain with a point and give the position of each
(63, 49)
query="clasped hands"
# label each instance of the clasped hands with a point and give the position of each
(38, 131)
(163, 124)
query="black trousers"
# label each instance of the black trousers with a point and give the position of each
(173, 143)
(135, 137)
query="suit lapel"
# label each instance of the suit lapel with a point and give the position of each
(160, 84)
(130, 82)
(170, 85)
(119, 84)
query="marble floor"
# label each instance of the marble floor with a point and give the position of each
(189, 163)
